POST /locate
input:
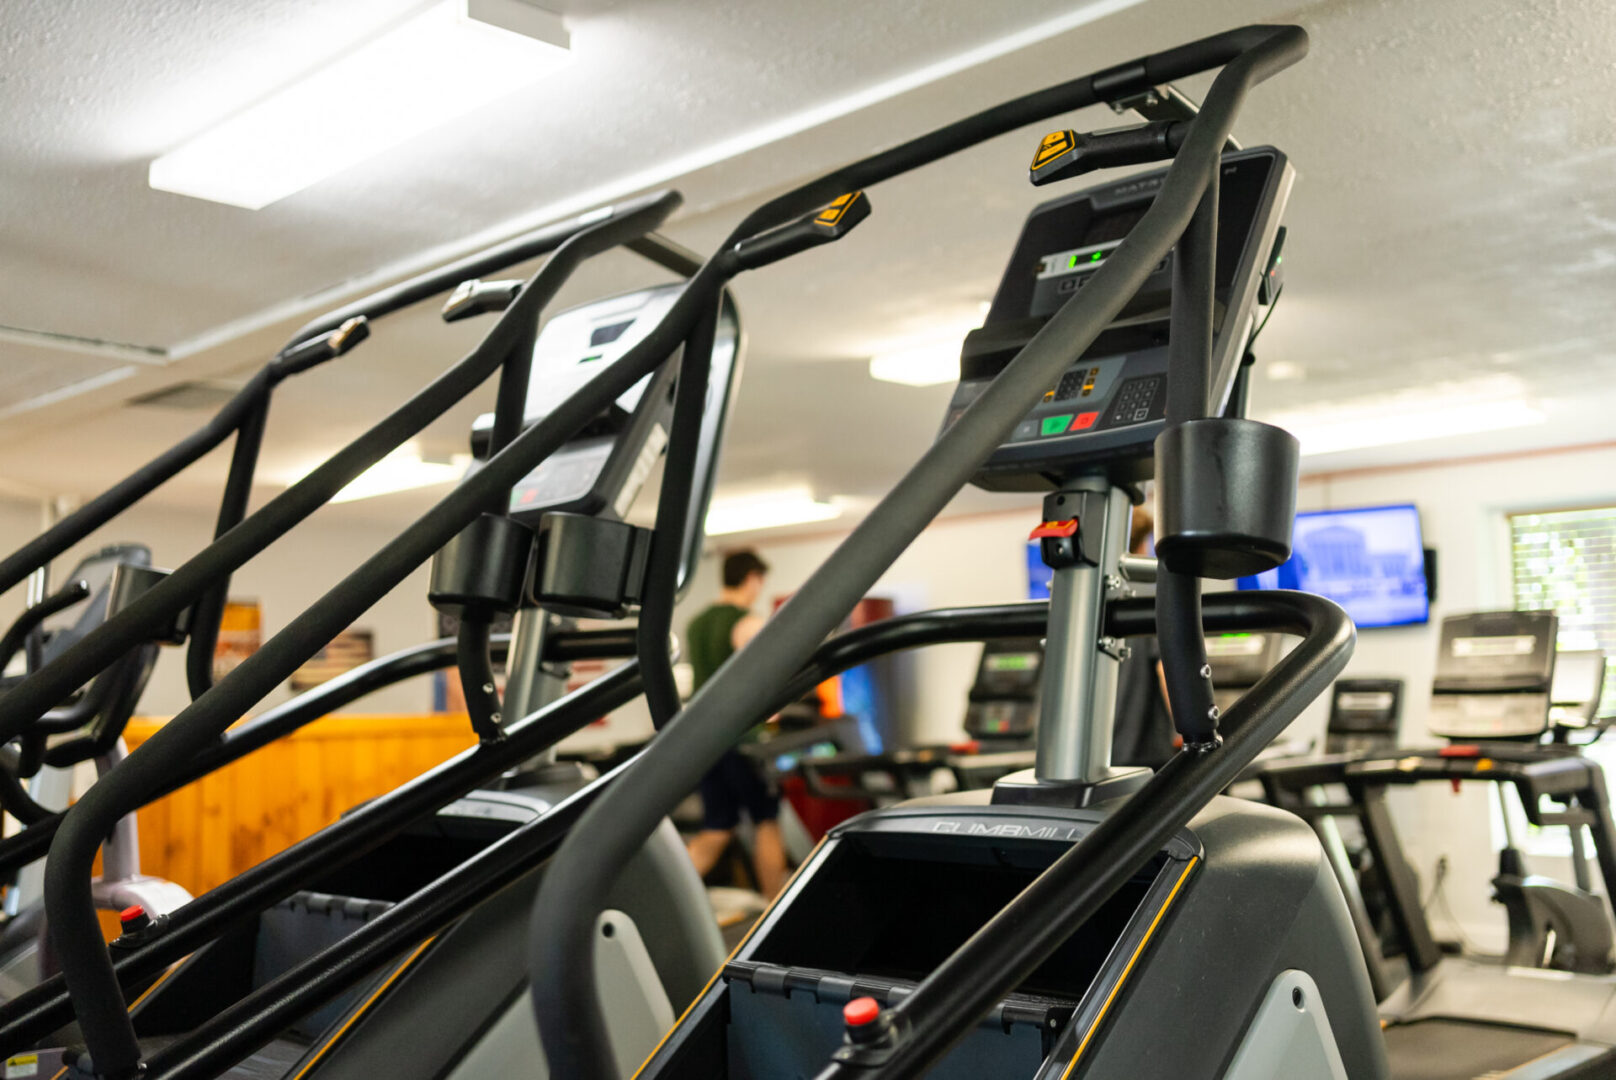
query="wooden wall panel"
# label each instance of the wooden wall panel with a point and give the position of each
(210, 831)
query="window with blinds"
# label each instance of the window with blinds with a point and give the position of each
(1566, 562)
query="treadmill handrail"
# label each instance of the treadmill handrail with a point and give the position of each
(561, 939)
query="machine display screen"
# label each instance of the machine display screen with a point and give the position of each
(577, 344)
(1370, 560)
(1008, 669)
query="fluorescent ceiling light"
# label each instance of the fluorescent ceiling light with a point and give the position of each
(1417, 416)
(767, 510)
(926, 361)
(443, 62)
(402, 470)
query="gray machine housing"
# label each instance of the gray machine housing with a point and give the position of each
(1209, 970)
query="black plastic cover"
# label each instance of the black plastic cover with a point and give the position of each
(588, 566)
(1226, 496)
(483, 570)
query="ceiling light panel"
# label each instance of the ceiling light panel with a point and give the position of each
(1494, 403)
(444, 62)
(767, 510)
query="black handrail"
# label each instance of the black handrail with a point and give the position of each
(673, 512)
(561, 941)
(503, 256)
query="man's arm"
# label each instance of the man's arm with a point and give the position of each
(745, 630)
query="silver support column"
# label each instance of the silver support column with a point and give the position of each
(529, 684)
(1079, 698)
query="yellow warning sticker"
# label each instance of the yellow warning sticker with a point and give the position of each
(1053, 146)
(21, 1066)
(833, 213)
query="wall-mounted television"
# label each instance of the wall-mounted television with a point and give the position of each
(1370, 560)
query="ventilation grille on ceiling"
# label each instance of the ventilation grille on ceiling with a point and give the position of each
(188, 395)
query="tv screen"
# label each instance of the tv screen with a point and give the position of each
(1371, 561)
(1039, 576)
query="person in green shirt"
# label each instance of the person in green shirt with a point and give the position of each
(735, 782)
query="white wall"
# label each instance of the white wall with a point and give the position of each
(285, 579)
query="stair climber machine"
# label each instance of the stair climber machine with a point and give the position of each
(1492, 696)
(87, 727)
(562, 552)
(661, 935)
(1050, 926)
(1077, 920)
(288, 967)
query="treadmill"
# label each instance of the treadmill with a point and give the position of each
(1491, 696)
(1001, 719)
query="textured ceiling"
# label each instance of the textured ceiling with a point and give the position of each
(1452, 219)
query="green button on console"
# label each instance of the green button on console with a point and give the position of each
(1054, 425)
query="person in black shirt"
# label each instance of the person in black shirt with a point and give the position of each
(735, 782)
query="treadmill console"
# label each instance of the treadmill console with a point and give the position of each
(1238, 661)
(1364, 715)
(1109, 405)
(1494, 671)
(1003, 701)
(601, 470)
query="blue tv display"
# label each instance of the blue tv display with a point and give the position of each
(1039, 576)
(1370, 560)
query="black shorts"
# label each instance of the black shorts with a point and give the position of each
(735, 784)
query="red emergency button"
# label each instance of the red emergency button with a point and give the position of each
(1460, 752)
(1054, 530)
(1084, 421)
(133, 919)
(861, 1011)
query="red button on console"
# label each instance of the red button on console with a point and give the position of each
(861, 1011)
(1084, 421)
(131, 913)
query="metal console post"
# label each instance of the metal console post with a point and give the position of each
(1079, 698)
(530, 684)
